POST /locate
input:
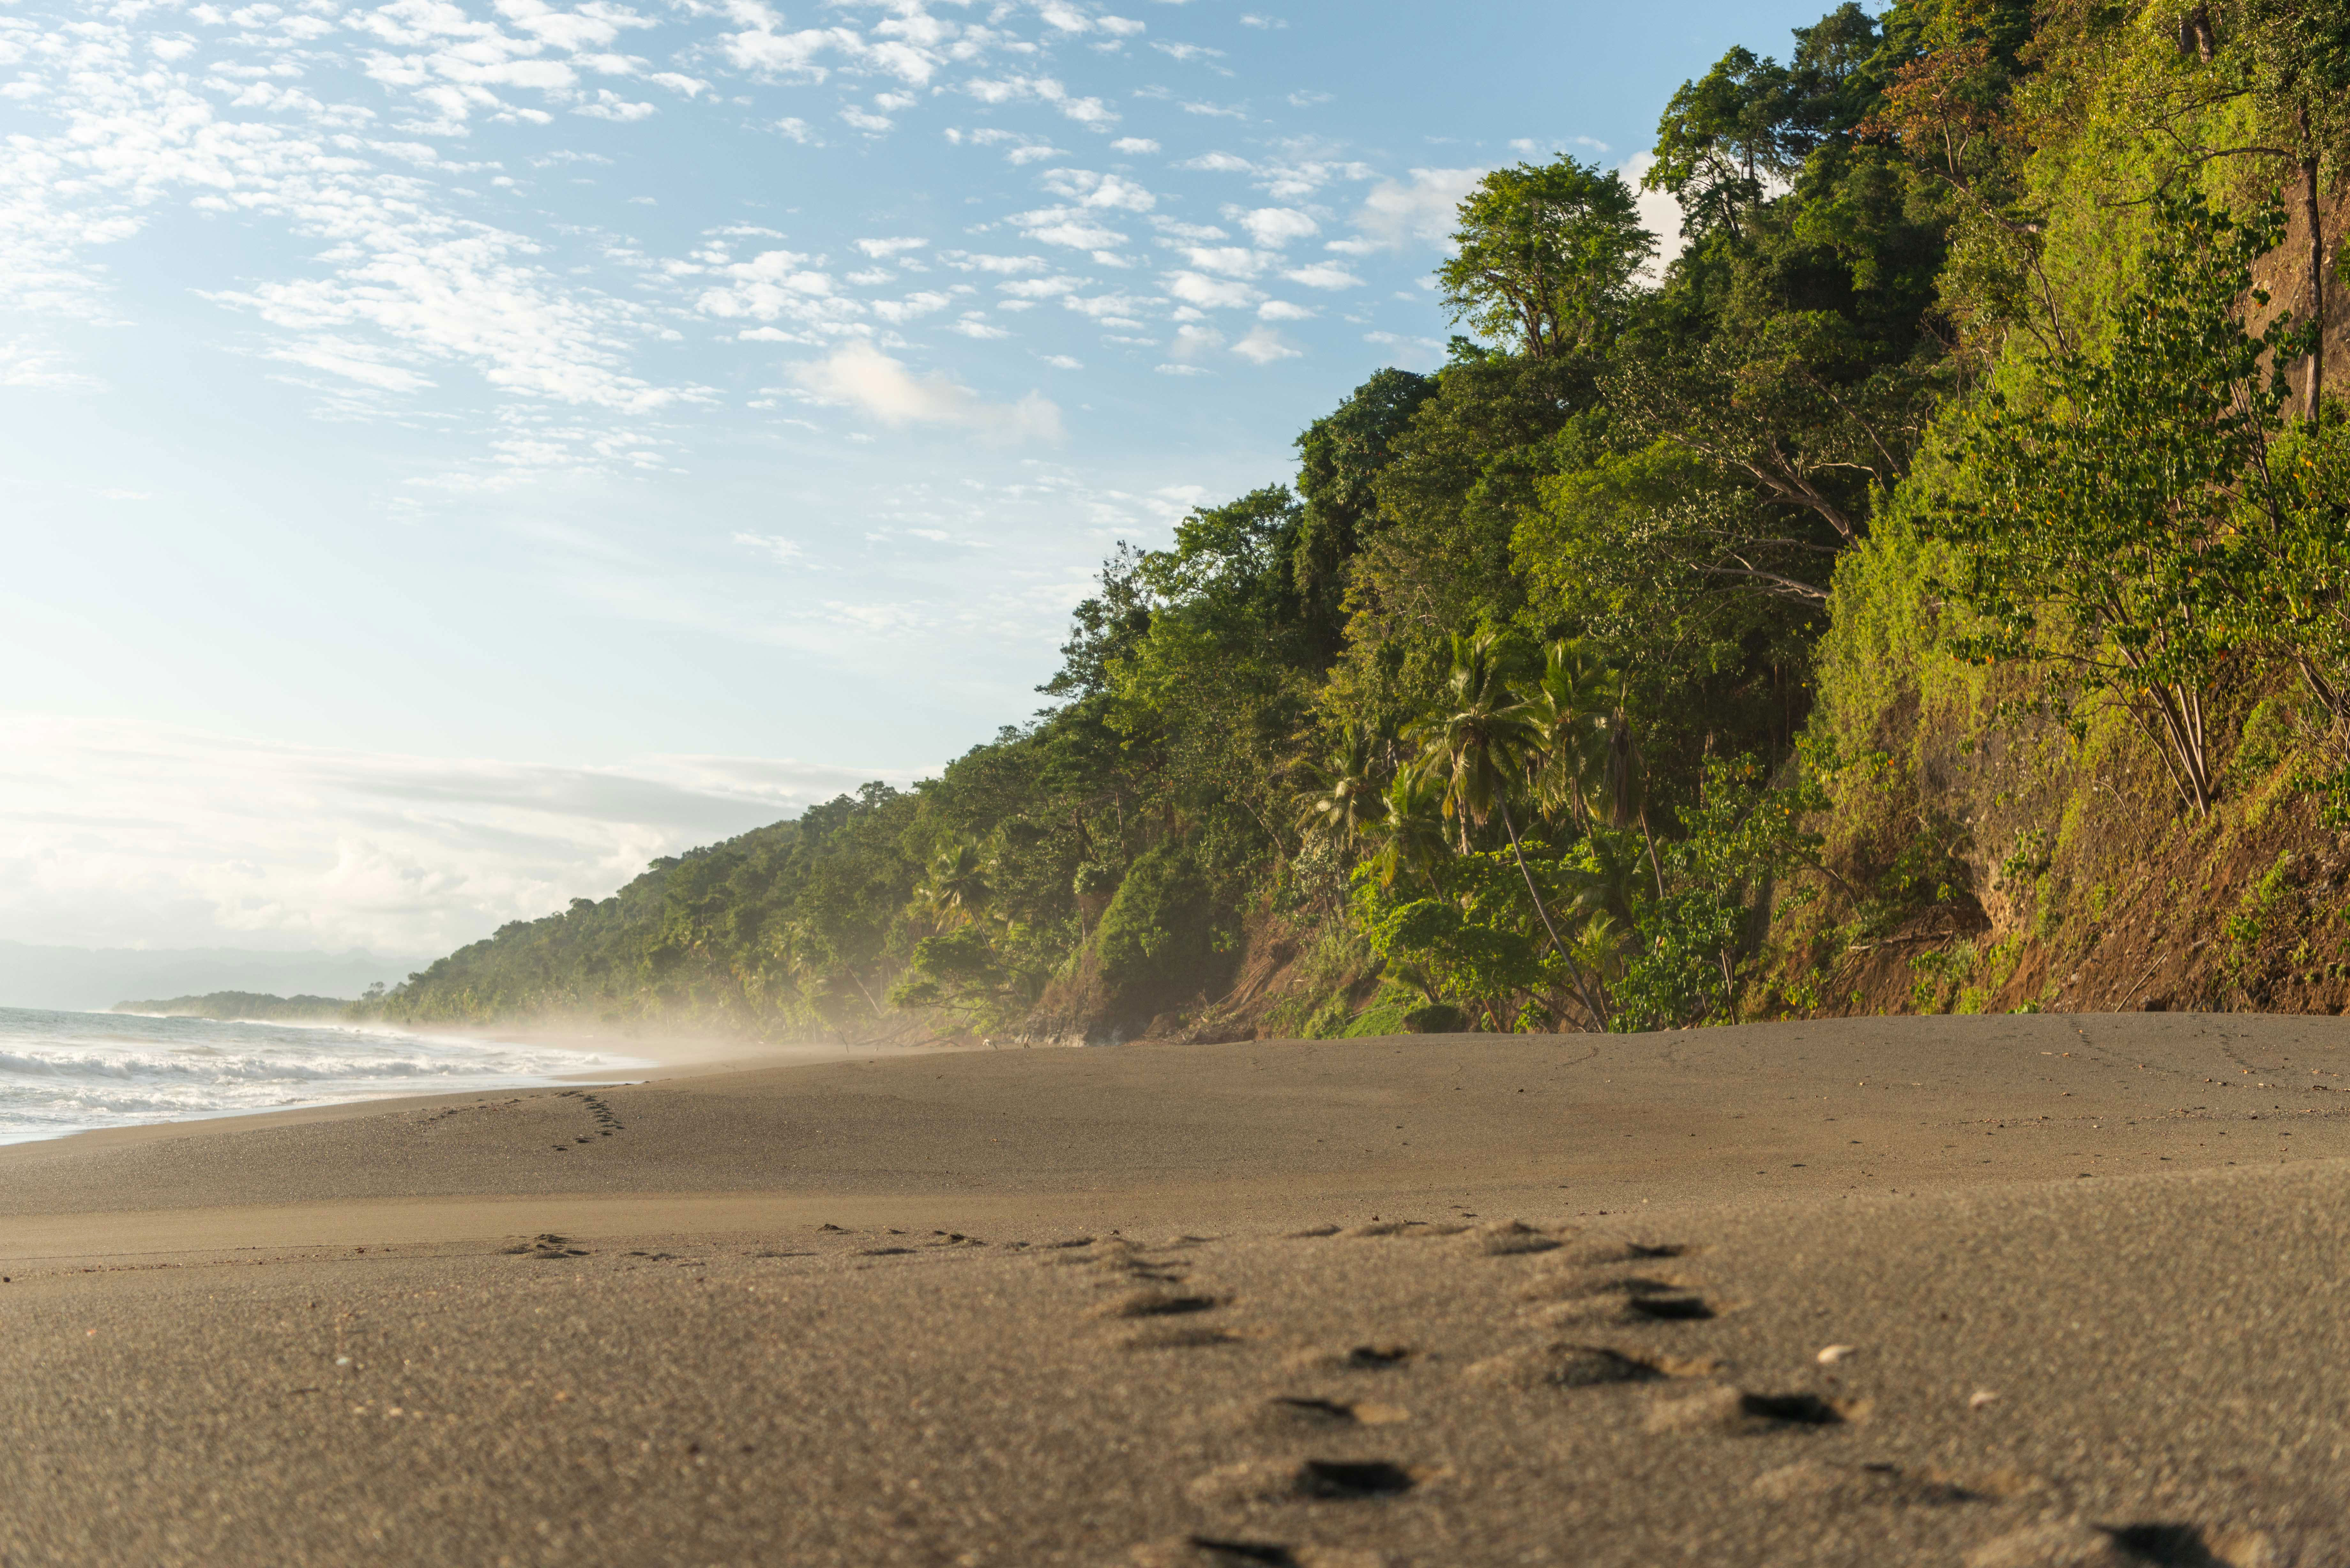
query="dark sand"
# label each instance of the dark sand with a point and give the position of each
(1434, 1301)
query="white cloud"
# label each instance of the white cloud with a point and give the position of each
(1324, 275)
(1211, 293)
(1282, 310)
(1108, 192)
(1397, 215)
(609, 105)
(812, 53)
(1105, 308)
(1089, 111)
(1063, 362)
(1273, 227)
(1218, 163)
(1190, 342)
(24, 364)
(1069, 226)
(866, 120)
(969, 261)
(1134, 146)
(881, 249)
(1262, 346)
(1659, 214)
(781, 286)
(1019, 148)
(861, 376)
(1232, 260)
(898, 312)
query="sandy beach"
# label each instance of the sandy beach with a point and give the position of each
(1994, 1291)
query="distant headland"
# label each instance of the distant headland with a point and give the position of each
(243, 1005)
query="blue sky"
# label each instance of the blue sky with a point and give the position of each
(457, 450)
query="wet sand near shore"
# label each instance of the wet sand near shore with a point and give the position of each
(2000, 1291)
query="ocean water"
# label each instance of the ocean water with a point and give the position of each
(70, 1071)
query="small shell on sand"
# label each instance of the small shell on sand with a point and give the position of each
(1836, 1353)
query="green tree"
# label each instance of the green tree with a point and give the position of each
(2098, 507)
(1545, 257)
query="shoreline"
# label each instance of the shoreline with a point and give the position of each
(652, 1058)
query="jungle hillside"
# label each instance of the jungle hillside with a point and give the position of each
(1928, 591)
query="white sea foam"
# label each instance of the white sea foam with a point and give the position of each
(70, 1071)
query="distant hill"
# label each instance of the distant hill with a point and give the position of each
(89, 980)
(245, 1004)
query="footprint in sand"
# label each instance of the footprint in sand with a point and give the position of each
(1630, 1302)
(1565, 1366)
(1510, 1239)
(2076, 1544)
(1853, 1485)
(1356, 1358)
(545, 1244)
(1210, 1552)
(1738, 1412)
(1254, 1482)
(1601, 1253)
(1150, 1301)
(1295, 1413)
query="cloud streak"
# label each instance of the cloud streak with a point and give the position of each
(863, 378)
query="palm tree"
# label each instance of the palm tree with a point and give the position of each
(1345, 801)
(1607, 888)
(1476, 746)
(958, 884)
(1624, 782)
(1567, 707)
(1412, 833)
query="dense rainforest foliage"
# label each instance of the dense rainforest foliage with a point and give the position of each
(1942, 556)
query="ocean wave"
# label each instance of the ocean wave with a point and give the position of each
(280, 1069)
(68, 1072)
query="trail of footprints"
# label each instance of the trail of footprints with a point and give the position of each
(607, 1124)
(604, 1121)
(1576, 1291)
